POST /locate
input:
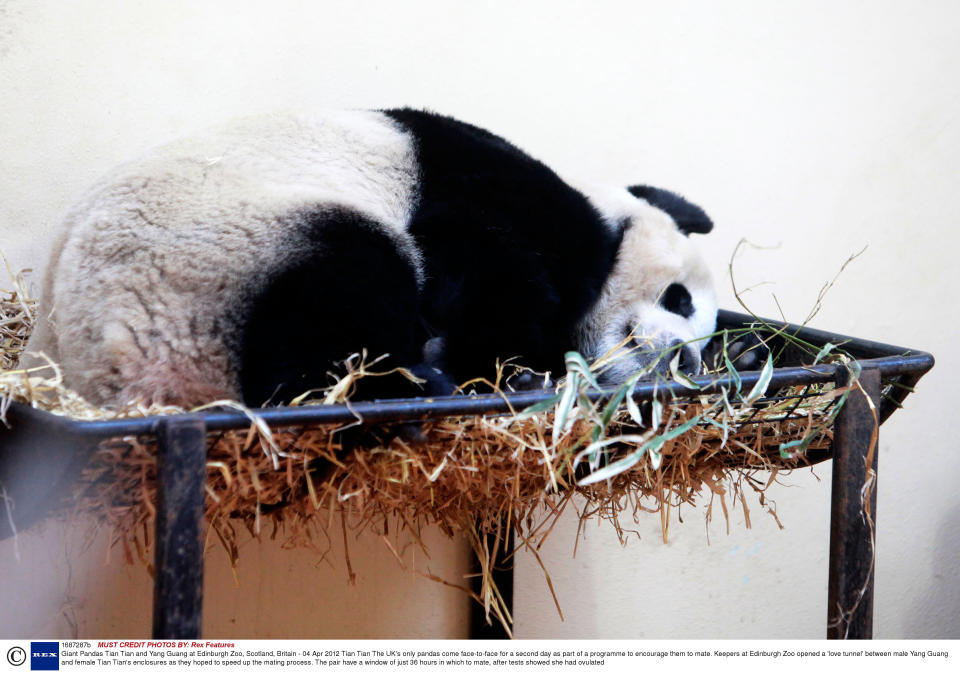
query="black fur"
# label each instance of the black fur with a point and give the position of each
(346, 288)
(513, 259)
(676, 298)
(690, 218)
(514, 256)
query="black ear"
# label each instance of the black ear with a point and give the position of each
(690, 218)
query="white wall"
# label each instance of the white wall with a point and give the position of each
(816, 127)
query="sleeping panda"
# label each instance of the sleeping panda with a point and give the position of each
(245, 262)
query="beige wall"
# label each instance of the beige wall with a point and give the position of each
(815, 127)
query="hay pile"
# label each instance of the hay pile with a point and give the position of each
(476, 476)
(17, 312)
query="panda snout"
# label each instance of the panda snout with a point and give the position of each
(663, 352)
(689, 358)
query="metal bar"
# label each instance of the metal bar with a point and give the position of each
(853, 513)
(890, 360)
(178, 577)
(400, 410)
(864, 349)
(502, 575)
(898, 392)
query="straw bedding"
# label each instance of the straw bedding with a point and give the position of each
(477, 476)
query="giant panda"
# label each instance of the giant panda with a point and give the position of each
(244, 262)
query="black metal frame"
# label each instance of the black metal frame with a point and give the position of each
(66, 445)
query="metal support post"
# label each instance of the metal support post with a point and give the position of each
(178, 578)
(502, 575)
(853, 512)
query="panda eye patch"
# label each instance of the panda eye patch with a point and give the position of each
(676, 299)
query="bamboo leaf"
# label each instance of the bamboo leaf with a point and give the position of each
(656, 412)
(653, 446)
(611, 408)
(603, 443)
(679, 375)
(633, 409)
(577, 365)
(737, 381)
(567, 400)
(541, 406)
(655, 459)
(761, 387)
(824, 352)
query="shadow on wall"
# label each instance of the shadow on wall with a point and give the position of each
(68, 583)
(60, 580)
(942, 601)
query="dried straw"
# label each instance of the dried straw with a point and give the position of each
(17, 319)
(474, 476)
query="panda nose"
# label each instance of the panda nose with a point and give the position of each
(689, 357)
(650, 349)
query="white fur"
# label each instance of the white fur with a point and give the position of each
(151, 257)
(653, 255)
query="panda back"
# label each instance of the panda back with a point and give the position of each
(515, 256)
(159, 262)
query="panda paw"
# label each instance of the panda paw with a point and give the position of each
(526, 379)
(747, 352)
(412, 433)
(437, 382)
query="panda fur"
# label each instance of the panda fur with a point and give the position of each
(244, 262)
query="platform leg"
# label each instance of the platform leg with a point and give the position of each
(503, 578)
(853, 513)
(178, 579)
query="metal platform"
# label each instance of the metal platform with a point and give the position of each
(41, 453)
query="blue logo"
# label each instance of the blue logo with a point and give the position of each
(44, 656)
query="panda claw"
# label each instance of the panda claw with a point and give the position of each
(749, 353)
(746, 353)
(412, 433)
(527, 379)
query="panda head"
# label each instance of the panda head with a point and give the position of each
(659, 295)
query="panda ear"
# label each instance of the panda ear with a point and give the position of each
(690, 218)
